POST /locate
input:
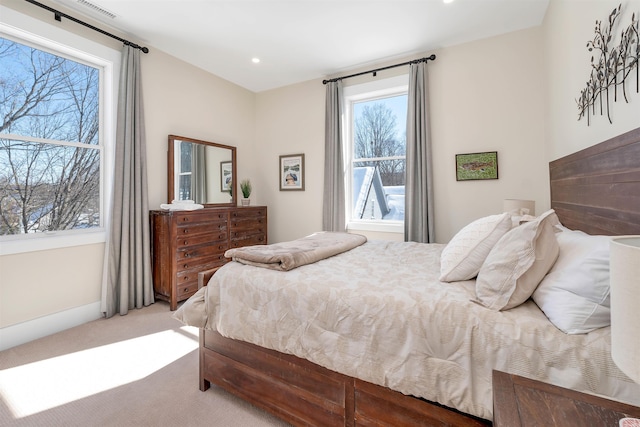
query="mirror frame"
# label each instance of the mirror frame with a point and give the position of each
(171, 168)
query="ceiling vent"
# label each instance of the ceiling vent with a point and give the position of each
(95, 8)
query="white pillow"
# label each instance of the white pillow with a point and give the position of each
(517, 263)
(463, 256)
(575, 293)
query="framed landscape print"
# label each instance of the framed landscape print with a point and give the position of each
(474, 166)
(292, 172)
(226, 170)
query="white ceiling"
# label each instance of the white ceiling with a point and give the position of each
(299, 40)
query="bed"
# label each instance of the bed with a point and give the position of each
(418, 351)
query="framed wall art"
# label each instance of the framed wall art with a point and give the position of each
(473, 166)
(226, 172)
(292, 172)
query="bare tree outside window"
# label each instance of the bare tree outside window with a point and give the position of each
(376, 136)
(379, 144)
(49, 142)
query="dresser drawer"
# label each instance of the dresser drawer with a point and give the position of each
(202, 215)
(194, 254)
(185, 290)
(248, 240)
(249, 230)
(188, 229)
(219, 237)
(201, 263)
(247, 223)
(248, 213)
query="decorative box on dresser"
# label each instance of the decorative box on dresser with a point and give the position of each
(187, 242)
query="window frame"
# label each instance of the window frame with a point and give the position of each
(382, 88)
(43, 36)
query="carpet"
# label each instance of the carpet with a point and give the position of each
(140, 369)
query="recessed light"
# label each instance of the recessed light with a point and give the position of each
(447, 1)
(255, 60)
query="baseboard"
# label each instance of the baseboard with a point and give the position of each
(21, 333)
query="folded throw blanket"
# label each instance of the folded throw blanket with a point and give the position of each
(288, 255)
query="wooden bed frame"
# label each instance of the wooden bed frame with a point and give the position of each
(596, 190)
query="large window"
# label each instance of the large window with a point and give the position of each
(376, 138)
(53, 148)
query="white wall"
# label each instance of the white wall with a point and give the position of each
(290, 120)
(178, 99)
(485, 96)
(488, 96)
(513, 93)
(183, 100)
(567, 28)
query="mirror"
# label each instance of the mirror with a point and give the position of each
(201, 171)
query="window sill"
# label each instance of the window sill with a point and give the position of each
(42, 242)
(379, 226)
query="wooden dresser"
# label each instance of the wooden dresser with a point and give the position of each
(187, 242)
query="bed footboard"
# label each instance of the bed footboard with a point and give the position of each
(303, 393)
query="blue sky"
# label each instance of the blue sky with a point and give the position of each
(397, 104)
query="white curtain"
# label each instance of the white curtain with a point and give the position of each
(128, 283)
(333, 210)
(418, 217)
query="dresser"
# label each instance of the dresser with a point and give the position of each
(187, 242)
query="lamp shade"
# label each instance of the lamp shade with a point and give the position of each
(519, 207)
(625, 304)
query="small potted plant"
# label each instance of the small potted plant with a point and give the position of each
(245, 187)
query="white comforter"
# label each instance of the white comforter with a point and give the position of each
(379, 313)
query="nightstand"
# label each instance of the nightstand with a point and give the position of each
(519, 401)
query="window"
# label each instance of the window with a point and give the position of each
(376, 116)
(183, 160)
(53, 150)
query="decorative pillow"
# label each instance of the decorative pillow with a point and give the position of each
(517, 263)
(575, 293)
(463, 256)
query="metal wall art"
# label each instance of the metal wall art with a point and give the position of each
(612, 68)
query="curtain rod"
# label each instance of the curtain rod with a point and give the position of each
(58, 16)
(432, 57)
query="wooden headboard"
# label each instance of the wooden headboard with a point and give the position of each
(597, 190)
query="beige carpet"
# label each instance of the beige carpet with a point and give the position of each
(135, 370)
